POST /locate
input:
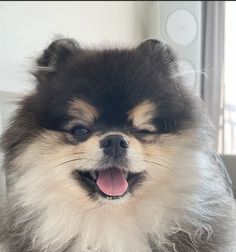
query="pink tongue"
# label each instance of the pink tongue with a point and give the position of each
(112, 182)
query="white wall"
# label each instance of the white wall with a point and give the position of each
(27, 27)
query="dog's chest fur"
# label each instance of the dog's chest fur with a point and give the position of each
(101, 231)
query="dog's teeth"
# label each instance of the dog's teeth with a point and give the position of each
(93, 175)
(126, 174)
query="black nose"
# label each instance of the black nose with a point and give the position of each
(114, 145)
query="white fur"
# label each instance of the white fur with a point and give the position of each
(176, 196)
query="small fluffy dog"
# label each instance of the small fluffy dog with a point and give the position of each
(111, 153)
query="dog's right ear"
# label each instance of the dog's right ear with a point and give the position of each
(58, 52)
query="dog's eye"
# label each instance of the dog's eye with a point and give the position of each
(165, 126)
(80, 131)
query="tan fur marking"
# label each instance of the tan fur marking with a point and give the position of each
(142, 114)
(83, 110)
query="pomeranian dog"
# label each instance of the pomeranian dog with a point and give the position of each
(111, 153)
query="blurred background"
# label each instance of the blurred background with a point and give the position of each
(202, 33)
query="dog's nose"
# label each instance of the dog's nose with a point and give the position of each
(114, 145)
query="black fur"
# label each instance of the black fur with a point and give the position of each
(113, 80)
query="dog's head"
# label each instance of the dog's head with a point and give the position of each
(103, 125)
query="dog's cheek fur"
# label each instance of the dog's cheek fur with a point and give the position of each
(181, 178)
(42, 188)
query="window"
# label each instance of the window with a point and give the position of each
(228, 121)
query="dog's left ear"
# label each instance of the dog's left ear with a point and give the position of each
(150, 44)
(157, 51)
(53, 57)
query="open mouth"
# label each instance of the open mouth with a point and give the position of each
(111, 183)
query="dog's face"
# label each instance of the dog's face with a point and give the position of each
(103, 125)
